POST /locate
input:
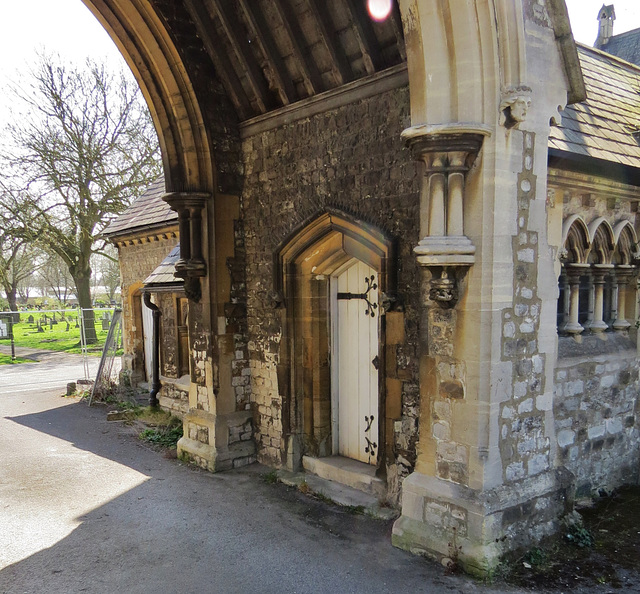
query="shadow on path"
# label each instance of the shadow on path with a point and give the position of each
(185, 530)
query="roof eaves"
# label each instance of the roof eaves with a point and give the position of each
(562, 30)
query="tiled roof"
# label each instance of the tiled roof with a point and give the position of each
(148, 210)
(604, 125)
(163, 274)
(625, 46)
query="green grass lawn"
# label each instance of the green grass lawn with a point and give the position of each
(63, 336)
(6, 360)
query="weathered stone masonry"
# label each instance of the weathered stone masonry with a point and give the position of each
(596, 410)
(350, 159)
(524, 443)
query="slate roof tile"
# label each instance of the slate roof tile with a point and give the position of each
(602, 125)
(147, 210)
(163, 274)
(625, 46)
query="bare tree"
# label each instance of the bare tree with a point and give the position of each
(81, 151)
(17, 264)
(55, 276)
(108, 271)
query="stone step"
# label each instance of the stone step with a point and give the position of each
(338, 493)
(346, 471)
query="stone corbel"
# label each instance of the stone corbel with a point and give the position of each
(191, 266)
(448, 152)
(514, 106)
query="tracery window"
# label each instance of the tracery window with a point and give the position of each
(597, 283)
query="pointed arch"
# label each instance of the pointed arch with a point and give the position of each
(156, 63)
(322, 243)
(451, 56)
(626, 242)
(576, 239)
(602, 242)
(307, 265)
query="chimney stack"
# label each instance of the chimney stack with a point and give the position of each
(606, 16)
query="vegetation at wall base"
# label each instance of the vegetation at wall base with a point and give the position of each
(603, 550)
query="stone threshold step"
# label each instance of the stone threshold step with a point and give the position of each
(346, 471)
(338, 493)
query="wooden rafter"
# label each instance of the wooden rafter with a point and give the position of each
(396, 22)
(306, 65)
(281, 79)
(233, 29)
(342, 68)
(366, 36)
(204, 25)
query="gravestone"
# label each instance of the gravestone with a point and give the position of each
(30, 319)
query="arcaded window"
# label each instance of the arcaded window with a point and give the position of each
(598, 280)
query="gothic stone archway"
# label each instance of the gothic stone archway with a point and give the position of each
(313, 268)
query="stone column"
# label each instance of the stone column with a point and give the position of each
(448, 152)
(598, 324)
(622, 276)
(455, 217)
(436, 225)
(574, 272)
(191, 266)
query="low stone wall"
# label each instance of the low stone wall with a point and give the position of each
(596, 409)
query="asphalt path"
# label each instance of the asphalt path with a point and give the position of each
(50, 369)
(86, 506)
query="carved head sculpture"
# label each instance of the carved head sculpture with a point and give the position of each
(514, 106)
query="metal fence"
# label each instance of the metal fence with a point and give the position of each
(40, 320)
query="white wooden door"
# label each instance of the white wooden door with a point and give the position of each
(355, 376)
(147, 330)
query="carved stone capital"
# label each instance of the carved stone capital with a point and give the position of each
(445, 148)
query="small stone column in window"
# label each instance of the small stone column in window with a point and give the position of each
(622, 275)
(574, 272)
(598, 324)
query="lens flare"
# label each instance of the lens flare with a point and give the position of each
(379, 10)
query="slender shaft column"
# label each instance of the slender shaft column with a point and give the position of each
(448, 153)
(573, 326)
(185, 244)
(437, 225)
(455, 209)
(189, 207)
(621, 324)
(598, 324)
(196, 234)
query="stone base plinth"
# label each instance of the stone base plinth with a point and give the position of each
(449, 250)
(199, 453)
(217, 443)
(473, 528)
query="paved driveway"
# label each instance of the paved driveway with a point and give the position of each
(85, 506)
(51, 370)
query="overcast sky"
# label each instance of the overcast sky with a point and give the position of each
(68, 28)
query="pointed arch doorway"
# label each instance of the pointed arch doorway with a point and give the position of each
(333, 274)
